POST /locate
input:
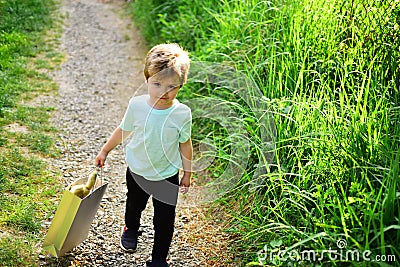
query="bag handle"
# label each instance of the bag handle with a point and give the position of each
(100, 175)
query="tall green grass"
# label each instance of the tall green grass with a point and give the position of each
(329, 71)
(26, 137)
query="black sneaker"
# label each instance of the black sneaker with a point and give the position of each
(157, 263)
(129, 239)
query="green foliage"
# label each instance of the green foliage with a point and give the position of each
(21, 23)
(173, 21)
(26, 185)
(329, 71)
(27, 16)
(14, 252)
(23, 179)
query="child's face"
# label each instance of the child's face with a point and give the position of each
(163, 90)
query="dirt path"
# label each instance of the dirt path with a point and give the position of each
(103, 69)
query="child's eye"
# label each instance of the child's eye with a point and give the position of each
(156, 84)
(172, 86)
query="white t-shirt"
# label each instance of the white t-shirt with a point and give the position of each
(153, 152)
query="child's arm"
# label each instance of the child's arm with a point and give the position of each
(116, 138)
(186, 155)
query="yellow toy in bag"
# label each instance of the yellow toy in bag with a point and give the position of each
(75, 213)
(81, 190)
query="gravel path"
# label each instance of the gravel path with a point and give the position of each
(103, 69)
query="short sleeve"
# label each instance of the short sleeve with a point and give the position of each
(128, 119)
(186, 129)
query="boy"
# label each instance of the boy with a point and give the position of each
(160, 146)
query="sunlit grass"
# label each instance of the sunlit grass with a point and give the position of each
(27, 186)
(330, 73)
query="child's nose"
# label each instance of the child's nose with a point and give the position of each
(166, 91)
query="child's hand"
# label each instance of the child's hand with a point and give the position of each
(100, 159)
(185, 184)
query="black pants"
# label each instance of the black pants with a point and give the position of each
(165, 194)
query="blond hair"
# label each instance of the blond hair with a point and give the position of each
(169, 57)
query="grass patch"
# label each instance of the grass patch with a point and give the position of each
(28, 36)
(15, 250)
(329, 75)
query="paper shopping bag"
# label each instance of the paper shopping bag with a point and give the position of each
(71, 222)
